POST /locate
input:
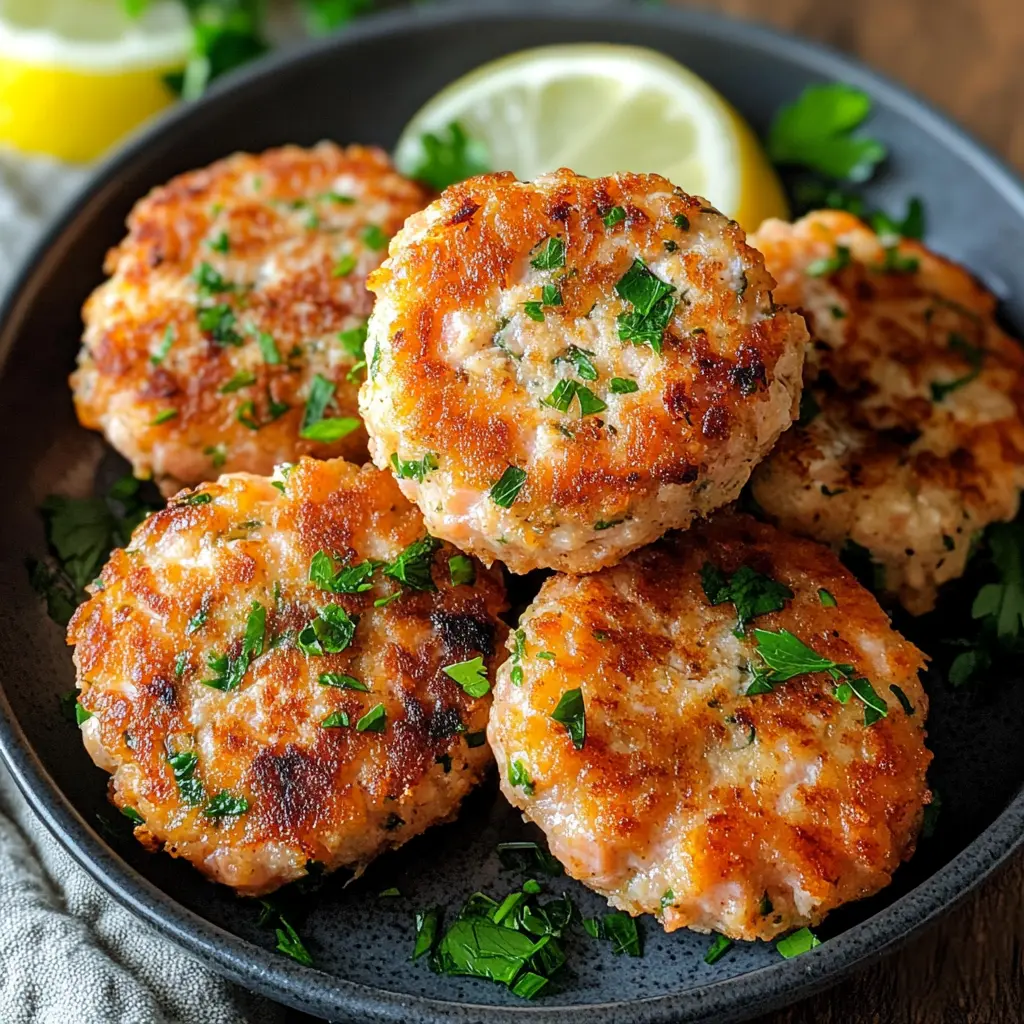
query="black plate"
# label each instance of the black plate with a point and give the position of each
(363, 86)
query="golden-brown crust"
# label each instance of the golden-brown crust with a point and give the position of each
(684, 782)
(461, 272)
(337, 796)
(896, 460)
(276, 226)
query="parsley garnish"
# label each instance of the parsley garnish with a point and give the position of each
(814, 132)
(219, 322)
(353, 341)
(242, 379)
(449, 156)
(314, 426)
(335, 720)
(461, 570)
(471, 676)
(428, 923)
(133, 815)
(828, 265)
(518, 653)
(799, 942)
(551, 256)
(374, 237)
(226, 805)
(349, 579)
(750, 591)
(571, 712)
(518, 776)
(911, 226)
(720, 945)
(345, 265)
(528, 856)
(826, 598)
(330, 632)
(623, 386)
(622, 930)
(209, 282)
(414, 469)
(289, 943)
(375, 720)
(342, 682)
(652, 302)
(894, 262)
(581, 359)
(681, 221)
(1002, 604)
(412, 567)
(505, 490)
(534, 311)
(220, 242)
(566, 390)
(183, 765)
(614, 216)
(972, 355)
(164, 347)
(164, 416)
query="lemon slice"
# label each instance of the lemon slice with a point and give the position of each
(76, 75)
(599, 109)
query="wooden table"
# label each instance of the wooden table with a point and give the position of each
(966, 57)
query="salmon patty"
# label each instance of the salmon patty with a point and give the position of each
(723, 731)
(286, 672)
(911, 439)
(560, 371)
(229, 336)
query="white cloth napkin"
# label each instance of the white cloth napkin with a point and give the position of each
(68, 952)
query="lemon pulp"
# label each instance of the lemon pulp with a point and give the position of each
(76, 75)
(599, 109)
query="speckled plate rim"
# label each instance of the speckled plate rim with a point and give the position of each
(307, 989)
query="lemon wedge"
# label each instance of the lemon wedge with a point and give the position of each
(76, 75)
(599, 109)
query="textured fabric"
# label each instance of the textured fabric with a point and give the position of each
(68, 952)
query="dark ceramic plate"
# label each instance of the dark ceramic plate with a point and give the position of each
(363, 86)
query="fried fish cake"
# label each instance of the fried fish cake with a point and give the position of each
(912, 438)
(688, 765)
(229, 335)
(562, 370)
(268, 673)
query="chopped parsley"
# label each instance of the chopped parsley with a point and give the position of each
(799, 942)
(720, 945)
(348, 579)
(519, 776)
(374, 237)
(242, 379)
(470, 675)
(461, 570)
(246, 412)
(289, 943)
(414, 469)
(197, 621)
(226, 805)
(412, 567)
(571, 712)
(528, 856)
(164, 416)
(623, 386)
(827, 265)
(335, 720)
(826, 598)
(815, 130)
(561, 398)
(219, 321)
(342, 682)
(183, 765)
(428, 923)
(330, 632)
(904, 700)
(449, 156)
(133, 815)
(375, 720)
(345, 265)
(209, 282)
(160, 353)
(972, 355)
(353, 341)
(581, 359)
(551, 256)
(895, 262)
(681, 221)
(621, 929)
(220, 242)
(506, 489)
(652, 302)
(786, 656)
(314, 426)
(911, 226)
(81, 714)
(614, 216)
(534, 310)
(518, 653)
(750, 591)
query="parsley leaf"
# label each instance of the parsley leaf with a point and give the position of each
(331, 632)
(614, 216)
(447, 157)
(349, 579)
(461, 570)
(571, 712)
(506, 489)
(375, 720)
(972, 355)
(814, 132)
(289, 943)
(799, 942)
(750, 591)
(428, 924)
(720, 945)
(652, 302)
(470, 675)
(623, 386)
(183, 765)
(911, 226)
(551, 256)
(580, 358)
(412, 567)
(622, 930)
(1002, 603)
(414, 469)
(342, 681)
(528, 856)
(519, 776)
(828, 265)
(226, 805)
